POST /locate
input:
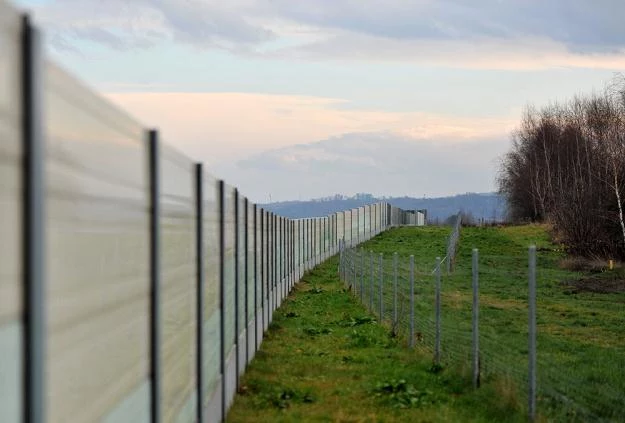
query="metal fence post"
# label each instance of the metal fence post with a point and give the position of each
(412, 325)
(371, 291)
(381, 275)
(256, 278)
(475, 321)
(395, 321)
(362, 276)
(246, 249)
(437, 348)
(155, 274)
(222, 297)
(341, 278)
(532, 334)
(199, 246)
(237, 280)
(33, 229)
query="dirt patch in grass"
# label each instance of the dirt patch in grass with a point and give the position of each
(596, 285)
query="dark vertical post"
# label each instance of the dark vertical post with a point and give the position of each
(269, 266)
(475, 321)
(381, 276)
(371, 291)
(412, 305)
(33, 272)
(395, 321)
(155, 275)
(362, 276)
(370, 221)
(237, 285)
(199, 268)
(247, 282)
(532, 334)
(222, 296)
(437, 347)
(263, 272)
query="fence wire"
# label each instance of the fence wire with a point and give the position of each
(575, 382)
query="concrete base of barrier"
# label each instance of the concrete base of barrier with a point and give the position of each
(242, 350)
(251, 340)
(280, 293)
(213, 408)
(259, 326)
(231, 377)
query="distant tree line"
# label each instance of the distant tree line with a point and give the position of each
(567, 167)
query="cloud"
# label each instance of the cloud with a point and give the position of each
(382, 163)
(575, 23)
(208, 126)
(514, 34)
(471, 53)
(123, 25)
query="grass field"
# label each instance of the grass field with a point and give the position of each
(325, 359)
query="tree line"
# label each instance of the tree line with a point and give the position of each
(567, 167)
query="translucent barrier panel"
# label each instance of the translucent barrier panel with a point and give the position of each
(318, 234)
(11, 213)
(259, 258)
(311, 236)
(284, 253)
(372, 224)
(306, 238)
(296, 245)
(251, 269)
(305, 248)
(366, 220)
(265, 264)
(355, 213)
(98, 282)
(211, 315)
(268, 255)
(178, 286)
(229, 267)
(242, 229)
(276, 250)
(340, 225)
(361, 223)
(278, 240)
(347, 227)
(322, 231)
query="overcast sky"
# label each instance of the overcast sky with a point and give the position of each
(299, 99)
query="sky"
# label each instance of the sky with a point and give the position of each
(301, 99)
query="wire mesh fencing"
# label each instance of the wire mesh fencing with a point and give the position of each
(493, 321)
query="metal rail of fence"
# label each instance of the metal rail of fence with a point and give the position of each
(469, 326)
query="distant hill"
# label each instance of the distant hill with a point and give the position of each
(488, 206)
